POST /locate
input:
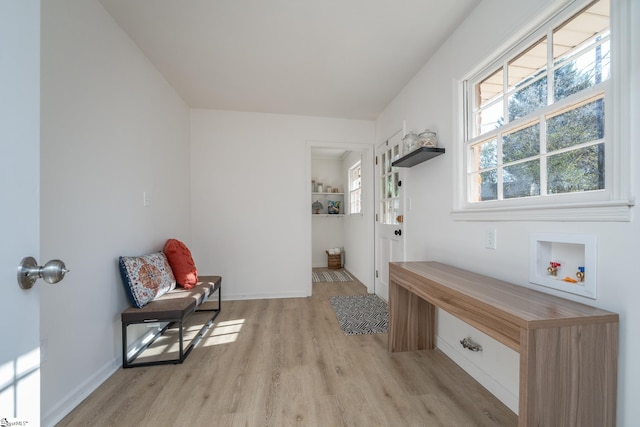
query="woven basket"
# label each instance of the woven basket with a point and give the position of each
(334, 262)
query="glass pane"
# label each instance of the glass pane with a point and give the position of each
(521, 144)
(489, 118)
(396, 152)
(577, 170)
(385, 212)
(528, 65)
(589, 24)
(396, 187)
(528, 99)
(389, 193)
(582, 124)
(357, 201)
(383, 163)
(489, 88)
(483, 186)
(389, 161)
(521, 180)
(483, 155)
(395, 212)
(588, 69)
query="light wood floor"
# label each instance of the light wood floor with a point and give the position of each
(285, 362)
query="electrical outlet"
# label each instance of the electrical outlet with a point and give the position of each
(146, 199)
(490, 239)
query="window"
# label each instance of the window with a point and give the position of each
(537, 127)
(355, 189)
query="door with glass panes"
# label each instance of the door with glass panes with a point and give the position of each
(389, 207)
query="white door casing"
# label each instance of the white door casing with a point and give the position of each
(389, 201)
(20, 208)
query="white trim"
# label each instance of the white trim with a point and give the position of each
(621, 101)
(69, 402)
(277, 295)
(608, 211)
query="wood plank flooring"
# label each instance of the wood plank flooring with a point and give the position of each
(286, 362)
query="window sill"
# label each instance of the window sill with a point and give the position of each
(613, 211)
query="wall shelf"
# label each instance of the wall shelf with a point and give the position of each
(326, 199)
(418, 156)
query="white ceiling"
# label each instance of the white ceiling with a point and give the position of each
(328, 58)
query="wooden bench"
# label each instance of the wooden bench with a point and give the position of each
(173, 308)
(568, 351)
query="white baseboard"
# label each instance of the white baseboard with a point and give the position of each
(81, 392)
(497, 389)
(238, 297)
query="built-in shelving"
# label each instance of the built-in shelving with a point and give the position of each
(325, 198)
(418, 156)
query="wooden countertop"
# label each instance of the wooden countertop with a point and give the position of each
(498, 308)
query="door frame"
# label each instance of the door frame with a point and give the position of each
(368, 205)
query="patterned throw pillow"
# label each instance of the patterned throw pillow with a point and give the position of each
(146, 277)
(181, 262)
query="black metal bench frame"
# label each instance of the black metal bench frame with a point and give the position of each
(128, 362)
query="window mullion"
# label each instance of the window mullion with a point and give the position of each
(505, 90)
(499, 174)
(550, 69)
(543, 156)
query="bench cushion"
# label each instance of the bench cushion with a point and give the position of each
(146, 277)
(173, 305)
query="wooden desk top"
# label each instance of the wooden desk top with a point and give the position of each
(500, 309)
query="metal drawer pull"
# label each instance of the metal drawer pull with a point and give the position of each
(470, 345)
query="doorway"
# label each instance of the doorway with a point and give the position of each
(332, 224)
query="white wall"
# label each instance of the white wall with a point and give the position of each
(251, 186)
(428, 101)
(111, 128)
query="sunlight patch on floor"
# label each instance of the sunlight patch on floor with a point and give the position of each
(223, 333)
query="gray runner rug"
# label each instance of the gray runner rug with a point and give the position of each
(361, 314)
(331, 276)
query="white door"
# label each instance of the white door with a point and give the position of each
(389, 206)
(19, 209)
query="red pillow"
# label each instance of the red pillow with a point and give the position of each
(181, 262)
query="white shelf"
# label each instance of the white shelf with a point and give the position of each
(325, 198)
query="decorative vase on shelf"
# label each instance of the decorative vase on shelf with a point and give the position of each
(410, 141)
(334, 206)
(428, 138)
(316, 207)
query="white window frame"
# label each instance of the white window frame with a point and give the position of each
(612, 204)
(353, 191)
